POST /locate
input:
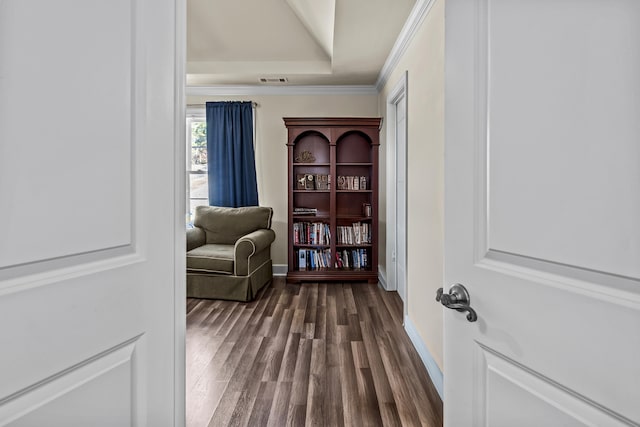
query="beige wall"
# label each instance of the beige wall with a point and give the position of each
(424, 61)
(271, 137)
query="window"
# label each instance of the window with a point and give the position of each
(197, 180)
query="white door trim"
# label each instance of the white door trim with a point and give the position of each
(180, 280)
(397, 93)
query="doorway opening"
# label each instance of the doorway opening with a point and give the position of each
(397, 189)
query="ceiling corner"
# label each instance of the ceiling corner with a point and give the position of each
(318, 17)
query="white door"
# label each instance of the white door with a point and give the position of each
(401, 198)
(542, 208)
(90, 285)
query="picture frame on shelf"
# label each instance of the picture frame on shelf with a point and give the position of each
(309, 183)
(301, 180)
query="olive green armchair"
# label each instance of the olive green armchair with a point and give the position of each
(229, 252)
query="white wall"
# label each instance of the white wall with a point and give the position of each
(271, 137)
(424, 61)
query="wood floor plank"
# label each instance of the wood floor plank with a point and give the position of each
(202, 400)
(367, 402)
(250, 386)
(301, 374)
(289, 359)
(219, 322)
(280, 405)
(389, 415)
(276, 351)
(316, 393)
(332, 402)
(198, 357)
(297, 324)
(350, 402)
(402, 396)
(426, 413)
(316, 354)
(360, 359)
(349, 301)
(262, 406)
(320, 327)
(247, 366)
(311, 308)
(298, 401)
(378, 371)
(224, 410)
(331, 321)
(224, 371)
(269, 325)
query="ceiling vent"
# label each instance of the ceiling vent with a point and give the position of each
(272, 80)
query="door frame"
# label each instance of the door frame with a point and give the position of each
(179, 244)
(399, 91)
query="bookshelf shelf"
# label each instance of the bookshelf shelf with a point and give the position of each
(346, 153)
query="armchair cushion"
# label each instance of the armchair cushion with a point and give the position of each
(227, 225)
(211, 259)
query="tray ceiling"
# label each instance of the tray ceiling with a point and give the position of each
(308, 42)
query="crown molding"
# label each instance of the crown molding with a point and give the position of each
(226, 90)
(417, 15)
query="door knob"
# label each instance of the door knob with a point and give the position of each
(457, 299)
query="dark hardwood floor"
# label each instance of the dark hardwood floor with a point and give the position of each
(315, 354)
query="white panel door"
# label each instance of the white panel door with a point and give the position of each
(542, 208)
(89, 279)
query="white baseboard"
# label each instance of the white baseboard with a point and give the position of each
(432, 367)
(382, 278)
(280, 270)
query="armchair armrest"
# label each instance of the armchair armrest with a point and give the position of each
(249, 245)
(195, 237)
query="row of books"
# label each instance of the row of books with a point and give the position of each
(309, 181)
(352, 182)
(353, 258)
(311, 233)
(312, 259)
(357, 234)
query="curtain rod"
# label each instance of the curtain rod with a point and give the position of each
(253, 103)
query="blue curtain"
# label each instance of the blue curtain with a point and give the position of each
(232, 166)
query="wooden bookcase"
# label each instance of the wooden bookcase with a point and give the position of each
(326, 156)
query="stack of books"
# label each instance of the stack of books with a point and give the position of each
(309, 181)
(305, 211)
(357, 234)
(352, 182)
(311, 233)
(354, 258)
(313, 259)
